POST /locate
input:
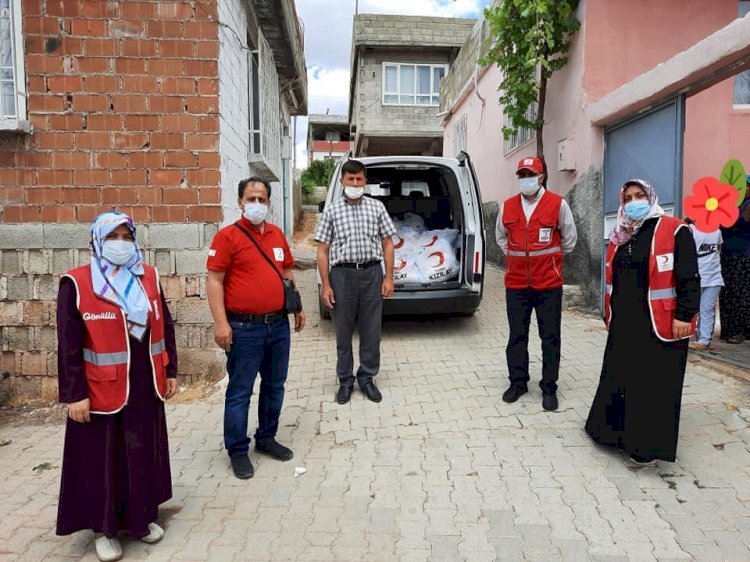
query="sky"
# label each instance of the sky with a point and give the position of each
(328, 43)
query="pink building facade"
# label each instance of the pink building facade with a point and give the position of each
(617, 43)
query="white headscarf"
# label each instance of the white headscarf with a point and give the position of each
(626, 226)
(118, 283)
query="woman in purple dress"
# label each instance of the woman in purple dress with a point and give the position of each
(117, 363)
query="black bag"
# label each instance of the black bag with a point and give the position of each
(292, 298)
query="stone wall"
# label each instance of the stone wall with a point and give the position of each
(583, 266)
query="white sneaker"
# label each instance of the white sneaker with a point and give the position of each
(635, 463)
(108, 549)
(155, 534)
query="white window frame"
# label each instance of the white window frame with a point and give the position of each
(17, 121)
(254, 129)
(742, 6)
(522, 136)
(398, 92)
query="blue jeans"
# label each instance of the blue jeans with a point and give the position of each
(707, 315)
(256, 348)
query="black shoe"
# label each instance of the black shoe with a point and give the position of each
(371, 391)
(241, 466)
(549, 402)
(344, 393)
(274, 449)
(514, 392)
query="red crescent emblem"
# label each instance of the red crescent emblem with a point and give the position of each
(401, 266)
(400, 242)
(441, 258)
(431, 242)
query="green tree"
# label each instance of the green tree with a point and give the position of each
(530, 40)
(319, 172)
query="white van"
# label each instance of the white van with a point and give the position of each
(444, 194)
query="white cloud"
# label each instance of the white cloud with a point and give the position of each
(327, 88)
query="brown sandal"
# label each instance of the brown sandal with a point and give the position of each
(735, 339)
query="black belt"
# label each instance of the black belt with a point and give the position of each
(269, 318)
(360, 265)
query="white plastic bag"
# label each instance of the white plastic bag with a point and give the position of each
(405, 270)
(438, 262)
(414, 221)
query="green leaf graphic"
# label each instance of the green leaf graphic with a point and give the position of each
(734, 174)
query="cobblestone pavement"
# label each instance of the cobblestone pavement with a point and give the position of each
(441, 469)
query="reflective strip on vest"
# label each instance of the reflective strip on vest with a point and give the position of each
(662, 294)
(546, 251)
(105, 359)
(608, 288)
(158, 347)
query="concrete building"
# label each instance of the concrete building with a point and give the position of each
(153, 108)
(652, 90)
(327, 137)
(397, 66)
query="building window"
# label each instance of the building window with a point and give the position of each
(459, 135)
(253, 58)
(742, 80)
(522, 135)
(412, 84)
(12, 77)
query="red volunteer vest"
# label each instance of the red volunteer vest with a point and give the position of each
(534, 257)
(106, 345)
(662, 293)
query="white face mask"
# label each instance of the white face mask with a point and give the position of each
(354, 192)
(256, 212)
(118, 252)
(529, 186)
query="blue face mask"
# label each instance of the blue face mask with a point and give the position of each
(637, 210)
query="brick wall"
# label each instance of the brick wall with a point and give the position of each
(123, 97)
(124, 100)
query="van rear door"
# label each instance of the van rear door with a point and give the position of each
(475, 242)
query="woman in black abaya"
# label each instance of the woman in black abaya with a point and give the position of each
(637, 403)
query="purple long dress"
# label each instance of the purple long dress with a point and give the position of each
(115, 469)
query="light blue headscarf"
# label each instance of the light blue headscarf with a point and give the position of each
(119, 284)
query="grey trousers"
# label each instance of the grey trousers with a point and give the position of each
(358, 303)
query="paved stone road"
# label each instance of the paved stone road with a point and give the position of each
(442, 469)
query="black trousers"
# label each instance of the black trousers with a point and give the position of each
(359, 305)
(548, 307)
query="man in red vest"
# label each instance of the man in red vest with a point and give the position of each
(534, 230)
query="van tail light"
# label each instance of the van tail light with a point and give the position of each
(477, 277)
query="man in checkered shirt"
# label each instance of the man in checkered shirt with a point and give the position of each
(354, 237)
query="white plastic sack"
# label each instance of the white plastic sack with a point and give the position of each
(414, 221)
(405, 239)
(438, 262)
(405, 270)
(431, 237)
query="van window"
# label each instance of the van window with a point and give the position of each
(409, 187)
(378, 189)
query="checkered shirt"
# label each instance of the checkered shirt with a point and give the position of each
(354, 231)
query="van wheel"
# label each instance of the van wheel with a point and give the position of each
(325, 314)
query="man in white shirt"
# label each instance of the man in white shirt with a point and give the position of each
(534, 230)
